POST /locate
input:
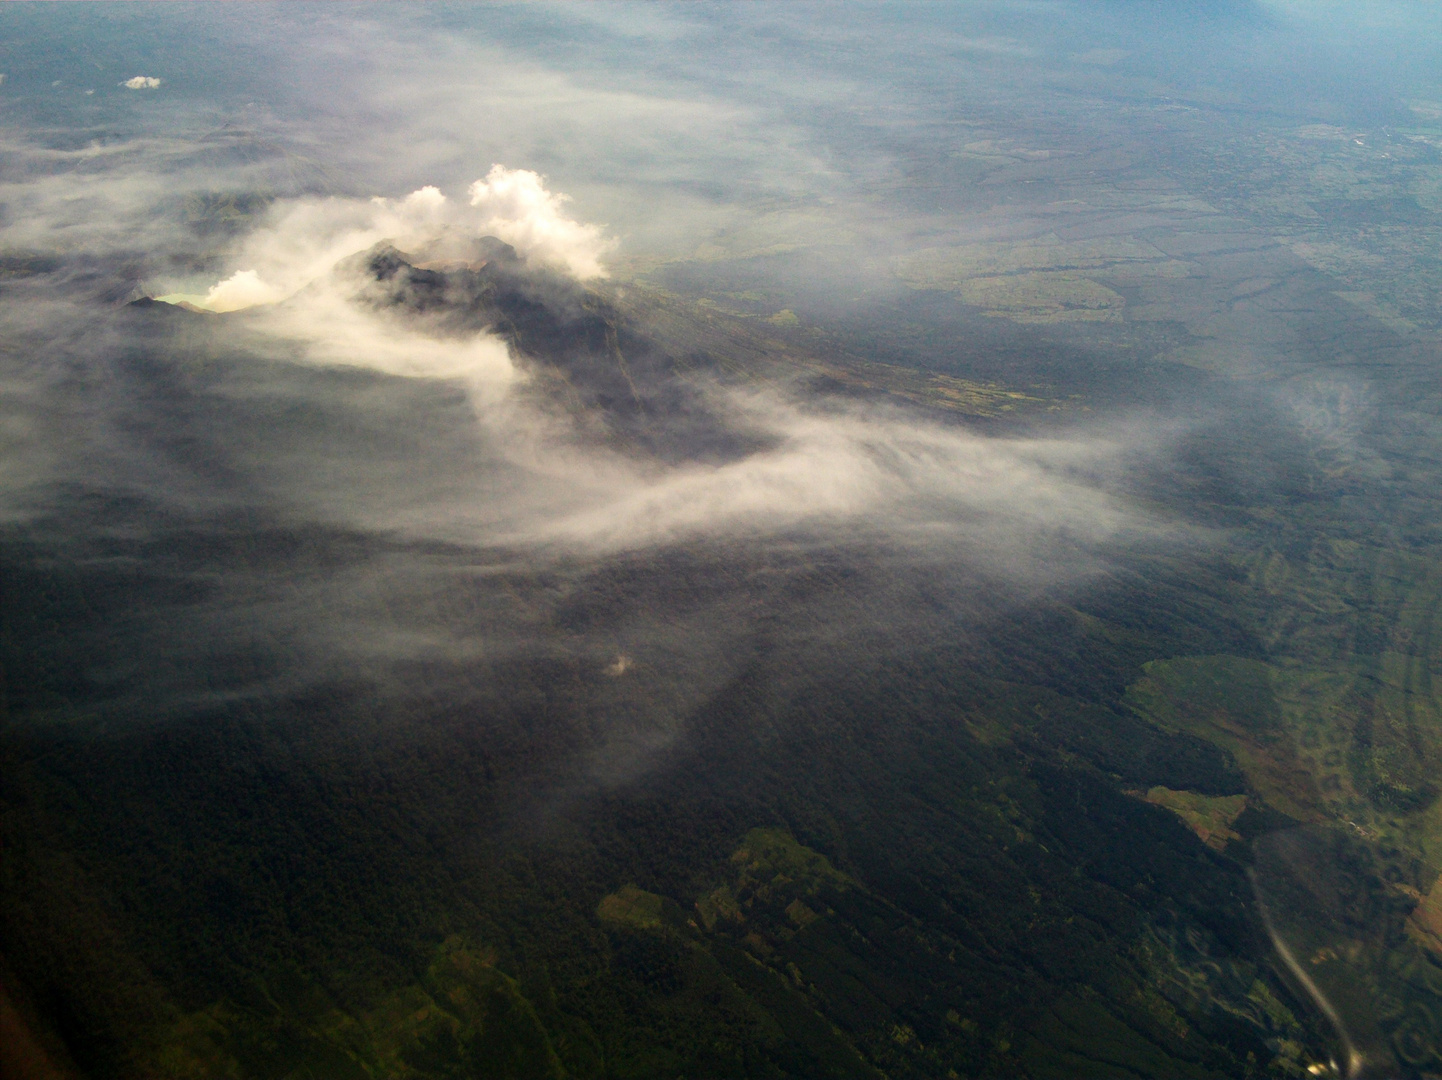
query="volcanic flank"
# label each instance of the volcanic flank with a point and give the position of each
(578, 351)
(577, 345)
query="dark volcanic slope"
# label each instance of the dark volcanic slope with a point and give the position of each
(285, 798)
(587, 353)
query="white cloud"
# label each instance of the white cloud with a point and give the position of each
(1006, 500)
(427, 201)
(336, 332)
(305, 238)
(242, 289)
(141, 82)
(518, 209)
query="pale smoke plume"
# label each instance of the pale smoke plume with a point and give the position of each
(881, 472)
(242, 289)
(337, 333)
(141, 82)
(519, 210)
(306, 238)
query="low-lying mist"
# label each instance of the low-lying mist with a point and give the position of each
(343, 465)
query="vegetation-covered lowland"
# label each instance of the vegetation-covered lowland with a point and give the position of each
(945, 583)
